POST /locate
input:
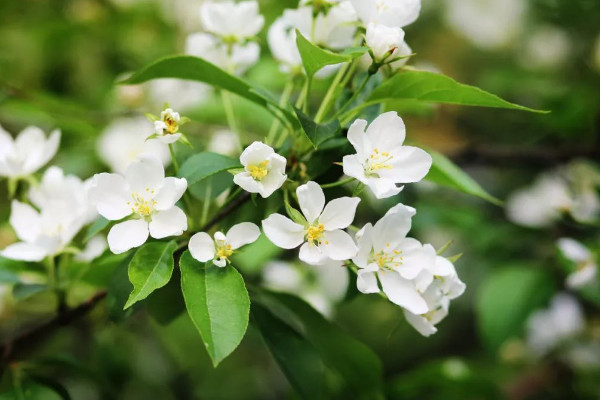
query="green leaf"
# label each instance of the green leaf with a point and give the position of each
(314, 58)
(198, 69)
(359, 367)
(22, 291)
(218, 304)
(430, 87)
(204, 165)
(150, 269)
(444, 172)
(317, 134)
(31, 391)
(94, 229)
(297, 358)
(505, 301)
(167, 303)
(119, 289)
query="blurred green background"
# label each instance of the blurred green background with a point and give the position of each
(60, 60)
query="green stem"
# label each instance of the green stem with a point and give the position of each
(51, 266)
(230, 115)
(354, 96)
(338, 183)
(206, 205)
(174, 159)
(285, 97)
(327, 100)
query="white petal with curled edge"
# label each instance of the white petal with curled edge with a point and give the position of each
(283, 232)
(402, 209)
(338, 245)
(127, 235)
(248, 183)
(171, 222)
(415, 258)
(383, 188)
(242, 234)
(339, 213)
(387, 131)
(312, 254)
(359, 140)
(311, 199)
(25, 220)
(170, 192)
(94, 249)
(50, 147)
(169, 139)
(420, 323)
(145, 175)
(202, 247)
(24, 252)
(110, 194)
(402, 292)
(583, 277)
(354, 168)
(410, 164)
(443, 267)
(256, 153)
(366, 280)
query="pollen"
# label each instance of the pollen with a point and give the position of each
(224, 251)
(172, 125)
(377, 161)
(387, 260)
(259, 171)
(141, 206)
(314, 233)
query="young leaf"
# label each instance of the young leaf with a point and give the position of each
(198, 69)
(218, 304)
(444, 172)
(317, 134)
(204, 165)
(150, 269)
(297, 358)
(430, 87)
(314, 58)
(501, 316)
(359, 367)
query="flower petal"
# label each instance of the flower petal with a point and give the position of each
(402, 292)
(110, 194)
(312, 254)
(145, 174)
(410, 164)
(171, 222)
(246, 182)
(416, 258)
(383, 188)
(354, 168)
(24, 252)
(169, 139)
(366, 281)
(443, 267)
(25, 220)
(242, 234)
(127, 235)
(392, 230)
(311, 199)
(256, 153)
(339, 213)
(338, 245)
(387, 131)
(365, 245)
(573, 250)
(359, 139)
(169, 193)
(283, 232)
(420, 323)
(202, 247)
(94, 249)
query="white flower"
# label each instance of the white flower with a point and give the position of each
(586, 267)
(124, 140)
(42, 234)
(548, 328)
(321, 286)
(67, 190)
(438, 295)
(203, 248)
(334, 30)
(224, 142)
(381, 160)
(234, 59)
(26, 154)
(383, 41)
(147, 195)
(546, 47)
(322, 233)
(541, 204)
(392, 13)
(180, 94)
(232, 21)
(265, 170)
(167, 128)
(386, 253)
(488, 24)
(96, 246)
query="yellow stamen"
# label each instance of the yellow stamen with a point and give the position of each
(224, 251)
(314, 233)
(258, 171)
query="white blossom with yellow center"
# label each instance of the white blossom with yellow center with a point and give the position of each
(264, 170)
(392, 13)
(27, 153)
(233, 22)
(167, 128)
(144, 194)
(381, 160)
(203, 248)
(322, 237)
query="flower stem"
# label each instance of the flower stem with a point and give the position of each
(285, 97)
(174, 159)
(329, 96)
(230, 115)
(338, 183)
(354, 96)
(206, 205)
